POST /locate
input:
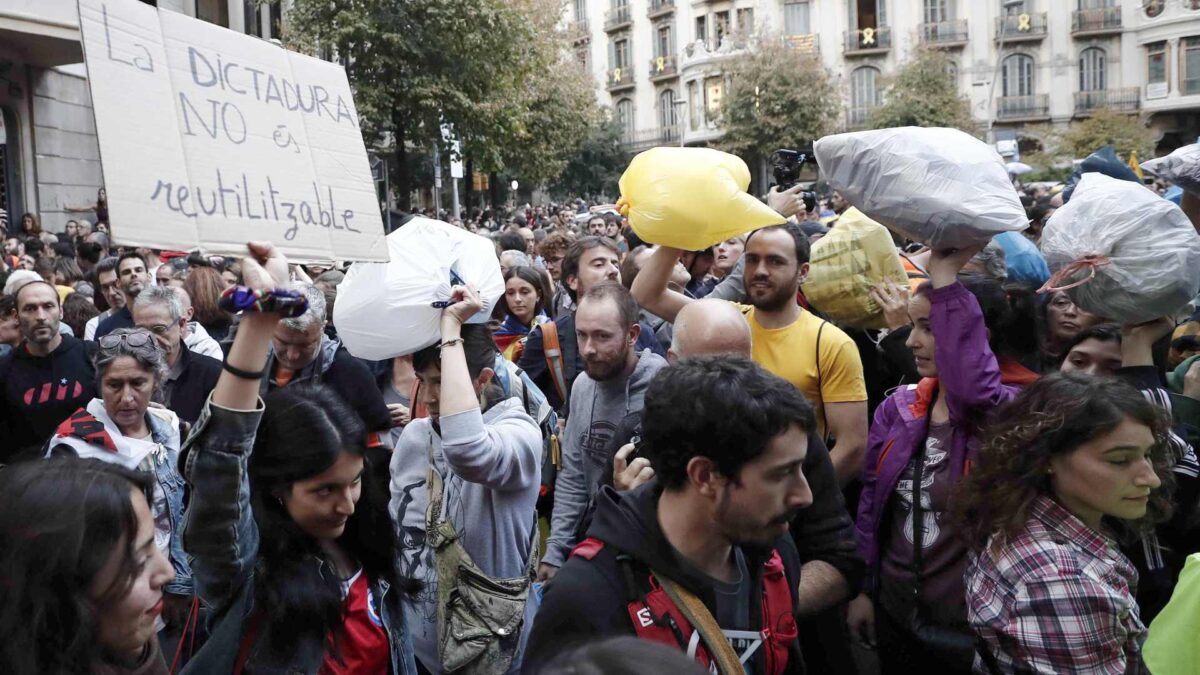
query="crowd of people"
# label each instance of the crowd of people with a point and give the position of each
(646, 460)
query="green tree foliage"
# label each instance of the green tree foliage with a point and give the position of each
(481, 66)
(597, 162)
(1126, 133)
(777, 97)
(922, 93)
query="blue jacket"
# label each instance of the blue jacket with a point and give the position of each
(221, 537)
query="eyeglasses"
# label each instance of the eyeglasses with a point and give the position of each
(139, 339)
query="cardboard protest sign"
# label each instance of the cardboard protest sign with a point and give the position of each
(209, 138)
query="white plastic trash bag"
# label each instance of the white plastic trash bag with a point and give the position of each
(941, 187)
(1121, 251)
(385, 309)
(1181, 167)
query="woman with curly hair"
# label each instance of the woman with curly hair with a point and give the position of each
(1071, 466)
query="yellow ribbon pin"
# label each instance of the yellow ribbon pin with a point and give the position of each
(1024, 23)
(616, 74)
(868, 36)
(660, 64)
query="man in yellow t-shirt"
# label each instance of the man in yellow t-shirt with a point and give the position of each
(812, 354)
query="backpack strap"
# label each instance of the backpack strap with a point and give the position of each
(554, 358)
(702, 620)
(824, 418)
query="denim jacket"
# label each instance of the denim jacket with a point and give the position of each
(164, 430)
(221, 538)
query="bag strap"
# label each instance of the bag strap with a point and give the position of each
(824, 418)
(702, 621)
(554, 358)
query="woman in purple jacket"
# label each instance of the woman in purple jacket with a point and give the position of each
(925, 435)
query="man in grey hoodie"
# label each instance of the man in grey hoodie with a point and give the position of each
(487, 454)
(612, 386)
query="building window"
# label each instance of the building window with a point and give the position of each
(1192, 4)
(666, 109)
(213, 11)
(620, 54)
(867, 14)
(581, 10)
(1092, 70)
(720, 27)
(951, 71)
(1190, 58)
(625, 118)
(1014, 7)
(796, 17)
(662, 42)
(937, 11)
(702, 29)
(1156, 60)
(864, 95)
(1017, 75)
(745, 20)
(252, 18)
(1096, 4)
(276, 16)
(582, 51)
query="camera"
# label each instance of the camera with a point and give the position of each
(786, 165)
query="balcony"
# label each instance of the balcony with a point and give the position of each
(1121, 100)
(1021, 28)
(1091, 22)
(944, 33)
(651, 138)
(579, 31)
(660, 8)
(808, 44)
(867, 41)
(663, 68)
(618, 18)
(1023, 108)
(619, 78)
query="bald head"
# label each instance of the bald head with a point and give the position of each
(710, 326)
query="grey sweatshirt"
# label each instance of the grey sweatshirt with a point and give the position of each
(491, 467)
(596, 410)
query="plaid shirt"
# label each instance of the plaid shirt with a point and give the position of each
(1057, 598)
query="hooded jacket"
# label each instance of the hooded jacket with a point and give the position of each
(973, 384)
(42, 391)
(335, 368)
(588, 599)
(597, 409)
(490, 465)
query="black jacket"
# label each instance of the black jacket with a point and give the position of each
(42, 391)
(122, 318)
(337, 369)
(191, 389)
(588, 599)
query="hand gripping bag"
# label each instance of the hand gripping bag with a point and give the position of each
(941, 187)
(1181, 167)
(1121, 251)
(384, 309)
(845, 263)
(690, 198)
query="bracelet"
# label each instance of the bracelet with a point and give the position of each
(450, 343)
(243, 374)
(284, 301)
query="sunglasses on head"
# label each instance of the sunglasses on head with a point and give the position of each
(132, 339)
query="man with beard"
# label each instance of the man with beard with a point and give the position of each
(132, 277)
(45, 378)
(707, 541)
(611, 387)
(589, 261)
(813, 354)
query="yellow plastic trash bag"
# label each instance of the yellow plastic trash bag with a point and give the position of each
(690, 198)
(856, 254)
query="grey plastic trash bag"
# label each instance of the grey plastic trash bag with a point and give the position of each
(1181, 167)
(942, 187)
(1122, 252)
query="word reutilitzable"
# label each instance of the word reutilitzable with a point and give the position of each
(242, 198)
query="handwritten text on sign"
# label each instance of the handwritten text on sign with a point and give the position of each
(209, 138)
